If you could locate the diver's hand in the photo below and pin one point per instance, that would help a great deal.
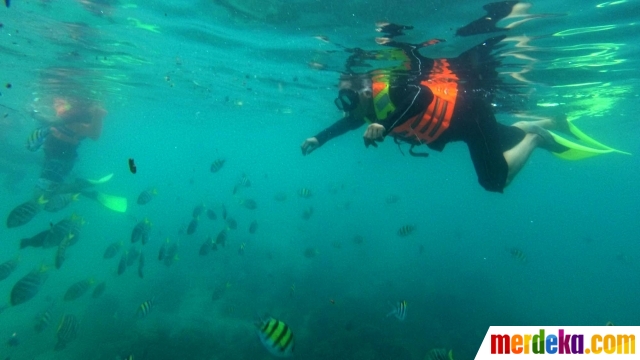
(309, 145)
(374, 133)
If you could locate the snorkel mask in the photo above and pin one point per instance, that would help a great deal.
(347, 100)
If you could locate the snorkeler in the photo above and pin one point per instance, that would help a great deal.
(60, 135)
(438, 101)
(75, 120)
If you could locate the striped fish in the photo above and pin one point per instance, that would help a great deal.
(78, 289)
(24, 212)
(406, 230)
(193, 226)
(304, 193)
(42, 321)
(29, 285)
(146, 196)
(276, 337)
(244, 182)
(37, 138)
(517, 254)
(122, 265)
(206, 246)
(8, 267)
(69, 226)
(112, 250)
(216, 165)
(141, 231)
(399, 310)
(144, 308)
(221, 239)
(58, 232)
(58, 202)
(99, 290)
(67, 331)
(61, 253)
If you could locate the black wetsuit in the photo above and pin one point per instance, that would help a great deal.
(472, 121)
(59, 158)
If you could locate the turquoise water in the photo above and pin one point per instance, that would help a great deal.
(185, 83)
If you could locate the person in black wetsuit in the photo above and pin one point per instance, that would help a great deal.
(75, 120)
(437, 101)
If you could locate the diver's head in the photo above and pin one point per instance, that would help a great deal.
(79, 117)
(78, 110)
(354, 89)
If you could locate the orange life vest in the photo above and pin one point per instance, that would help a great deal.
(427, 126)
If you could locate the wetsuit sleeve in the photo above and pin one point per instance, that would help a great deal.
(338, 128)
(411, 100)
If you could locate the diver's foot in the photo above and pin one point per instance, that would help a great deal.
(561, 124)
(546, 141)
(383, 40)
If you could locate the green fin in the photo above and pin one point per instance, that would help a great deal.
(590, 141)
(112, 202)
(577, 151)
(451, 354)
(102, 180)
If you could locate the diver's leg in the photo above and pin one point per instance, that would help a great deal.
(557, 122)
(541, 129)
(528, 126)
(518, 155)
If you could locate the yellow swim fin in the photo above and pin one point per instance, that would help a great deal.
(102, 180)
(112, 202)
(590, 141)
(578, 151)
